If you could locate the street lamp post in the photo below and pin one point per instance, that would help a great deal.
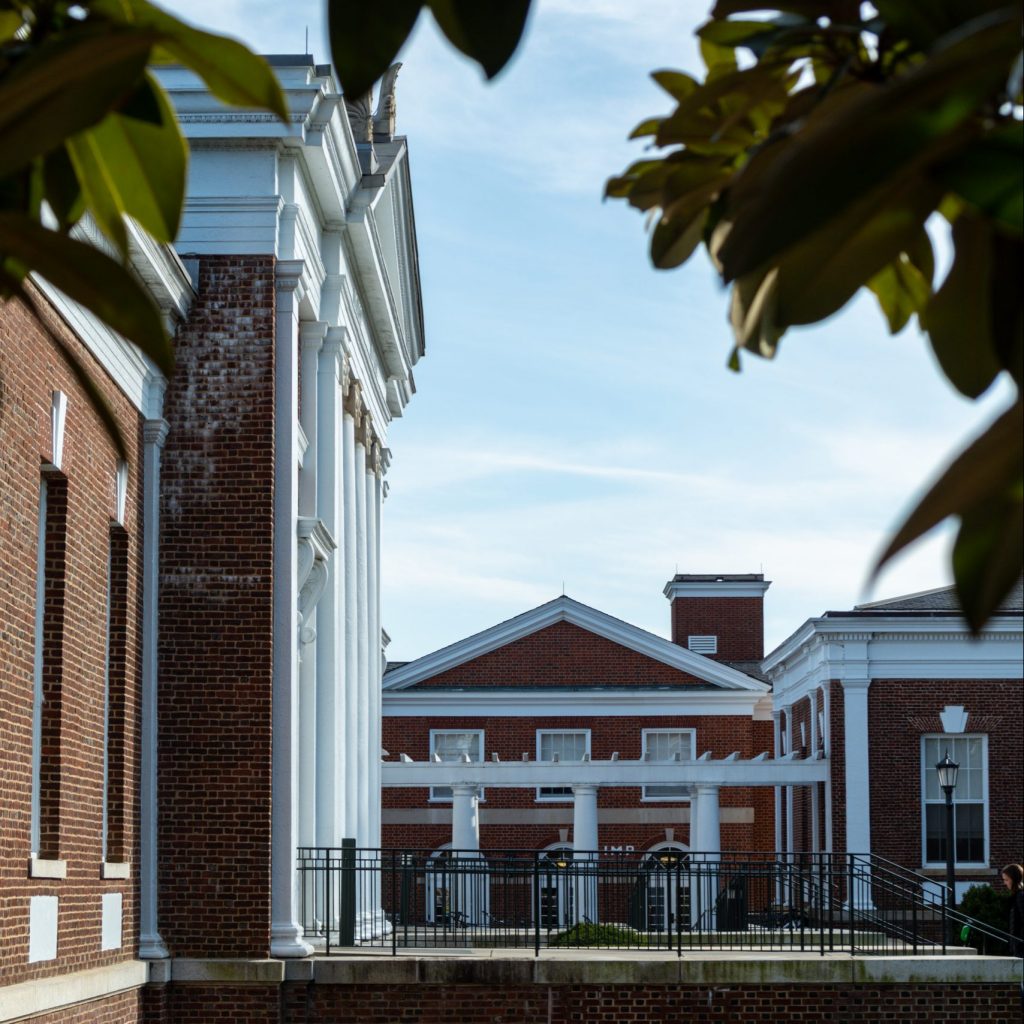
(947, 770)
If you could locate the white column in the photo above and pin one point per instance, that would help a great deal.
(465, 816)
(858, 797)
(330, 611)
(790, 833)
(151, 945)
(709, 830)
(777, 740)
(362, 645)
(285, 931)
(373, 645)
(307, 740)
(814, 790)
(350, 754)
(827, 747)
(584, 844)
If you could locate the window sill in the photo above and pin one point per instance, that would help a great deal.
(39, 868)
(939, 871)
(115, 870)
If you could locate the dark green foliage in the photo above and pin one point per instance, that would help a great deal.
(990, 906)
(601, 935)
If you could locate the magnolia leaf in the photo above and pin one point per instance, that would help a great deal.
(488, 33)
(673, 241)
(987, 175)
(677, 84)
(858, 139)
(901, 290)
(65, 87)
(91, 278)
(987, 556)
(10, 22)
(988, 469)
(366, 38)
(231, 71)
(719, 60)
(61, 188)
(838, 10)
(648, 127)
(959, 318)
(135, 167)
(98, 189)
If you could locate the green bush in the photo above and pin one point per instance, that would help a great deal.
(991, 907)
(585, 934)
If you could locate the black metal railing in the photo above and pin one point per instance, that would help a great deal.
(647, 900)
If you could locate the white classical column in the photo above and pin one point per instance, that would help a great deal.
(709, 830)
(151, 945)
(827, 747)
(373, 645)
(330, 612)
(858, 794)
(362, 641)
(585, 849)
(285, 931)
(693, 876)
(814, 789)
(465, 816)
(777, 741)
(350, 754)
(790, 832)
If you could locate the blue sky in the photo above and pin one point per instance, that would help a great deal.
(575, 425)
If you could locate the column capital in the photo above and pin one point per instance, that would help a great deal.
(333, 346)
(354, 405)
(312, 334)
(584, 789)
(155, 432)
(464, 789)
(288, 274)
(855, 684)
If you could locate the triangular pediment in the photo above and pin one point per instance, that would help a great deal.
(698, 668)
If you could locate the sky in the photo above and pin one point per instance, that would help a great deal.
(575, 429)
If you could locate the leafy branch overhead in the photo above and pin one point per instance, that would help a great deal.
(812, 161)
(85, 128)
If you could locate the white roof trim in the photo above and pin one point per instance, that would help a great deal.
(565, 609)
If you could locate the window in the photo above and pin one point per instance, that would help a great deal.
(450, 746)
(664, 745)
(555, 745)
(115, 768)
(970, 799)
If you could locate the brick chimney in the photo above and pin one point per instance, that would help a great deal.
(719, 615)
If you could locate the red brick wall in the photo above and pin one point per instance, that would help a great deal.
(216, 642)
(123, 1008)
(900, 711)
(561, 655)
(597, 1004)
(738, 622)
(31, 368)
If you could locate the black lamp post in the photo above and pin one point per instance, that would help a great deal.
(947, 771)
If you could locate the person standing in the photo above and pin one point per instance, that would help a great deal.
(1013, 879)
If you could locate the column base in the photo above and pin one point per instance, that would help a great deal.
(151, 947)
(286, 941)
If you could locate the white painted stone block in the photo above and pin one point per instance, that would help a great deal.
(42, 928)
(112, 909)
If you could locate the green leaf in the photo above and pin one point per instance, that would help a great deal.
(677, 84)
(855, 140)
(62, 190)
(904, 287)
(837, 10)
(10, 22)
(988, 175)
(673, 241)
(366, 38)
(987, 556)
(91, 278)
(959, 318)
(488, 33)
(719, 60)
(66, 87)
(134, 167)
(988, 469)
(231, 71)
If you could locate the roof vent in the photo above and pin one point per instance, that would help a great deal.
(703, 644)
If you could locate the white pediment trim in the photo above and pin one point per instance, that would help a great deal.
(565, 609)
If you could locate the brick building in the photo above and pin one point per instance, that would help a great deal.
(884, 690)
(190, 644)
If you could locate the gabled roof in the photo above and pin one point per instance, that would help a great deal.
(941, 599)
(565, 609)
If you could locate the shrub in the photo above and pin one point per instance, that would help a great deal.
(988, 906)
(586, 934)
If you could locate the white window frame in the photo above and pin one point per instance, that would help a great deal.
(441, 799)
(551, 798)
(985, 806)
(644, 733)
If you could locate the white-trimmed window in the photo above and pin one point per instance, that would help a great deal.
(970, 800)
(450, 745)
(561, 745)
(664, 745)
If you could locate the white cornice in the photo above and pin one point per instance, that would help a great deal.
(565, 609)
(637, 702)
(711, 588)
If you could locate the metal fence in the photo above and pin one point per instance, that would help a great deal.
(656, 900)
